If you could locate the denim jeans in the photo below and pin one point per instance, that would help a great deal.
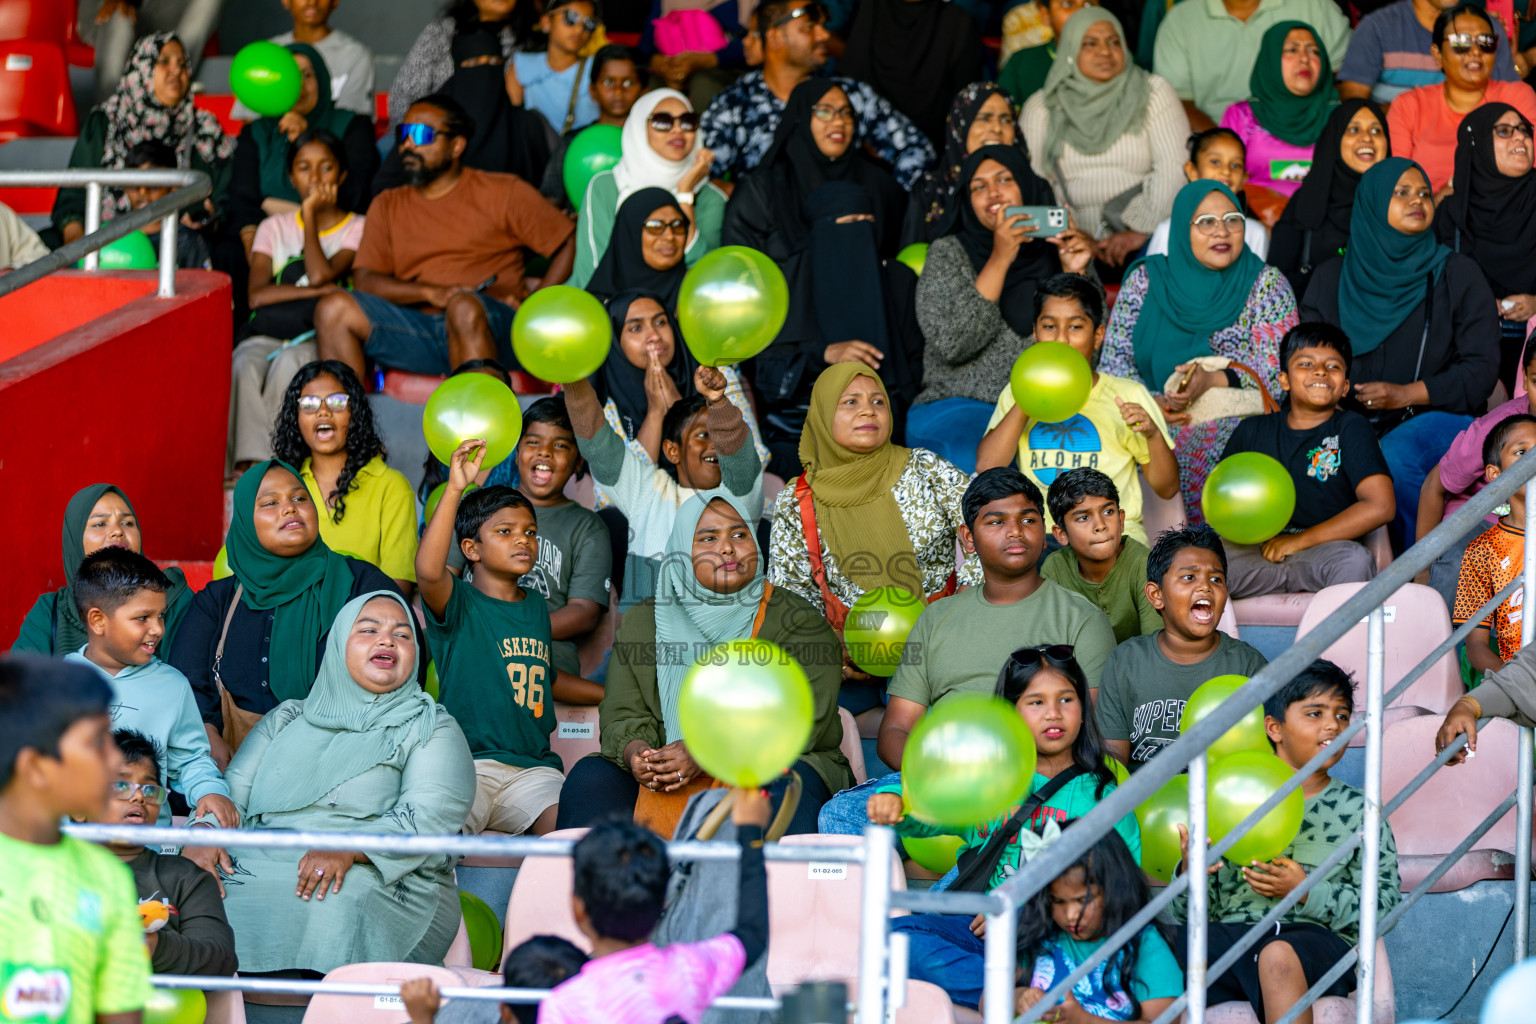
(944, 952)
(951, 427)
(1411, 451)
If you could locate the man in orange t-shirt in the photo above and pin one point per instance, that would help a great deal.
(439, 273)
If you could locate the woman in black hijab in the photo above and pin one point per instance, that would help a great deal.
(917, 54)
(646, 250)
(1491, 217)
(982, 114)
(827, 215)
(647, 369)
(1315, 225)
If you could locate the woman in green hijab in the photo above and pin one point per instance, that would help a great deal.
(1293, 94)
(259, 183)
(98, 516)
(1209, 296)
(368, 752)
(252, 640)
(1107, 135)
(710, 590)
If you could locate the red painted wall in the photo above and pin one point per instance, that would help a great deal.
(137, 396)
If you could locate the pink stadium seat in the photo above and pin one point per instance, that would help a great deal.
(772, 485)
(1446, 809)
(1228, 622)
(1159, 514)
(1287, 609)
(580, 490)
(541, 899)
(225, 1008)
(35, 96)
(576, 733)
(1329, 1009)
(327, 1009)
(1417, 623)
(459, 953)
(416, 388)
(925, 1004)
(596, 645)
(851, 746)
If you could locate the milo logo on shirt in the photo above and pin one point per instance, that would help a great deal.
(1289, 170)
(33, 995)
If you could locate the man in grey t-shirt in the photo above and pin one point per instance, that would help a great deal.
(349, 61)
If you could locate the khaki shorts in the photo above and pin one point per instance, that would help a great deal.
(510, 799)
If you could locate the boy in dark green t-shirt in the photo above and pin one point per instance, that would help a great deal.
(492, 647)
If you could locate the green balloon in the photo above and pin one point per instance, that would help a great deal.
(969, 759)
(916, 257)
(936, 853)
(435, 495)
(561, 334)
(175, 1006)
(877, 628)
(731, 305)
(472, 405)
(221, 567)
(593, 149)
(746, 712)
(1248, 498)
(134, 251)
(1051, 381)
(265, 77)
(1235, 788)
(432, 686)
(1247, 734)
(484, 931)
(1158, 818)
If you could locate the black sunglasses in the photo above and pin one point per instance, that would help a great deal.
(815, 13)
(1032, 657)
(574, 18)
(665, 122)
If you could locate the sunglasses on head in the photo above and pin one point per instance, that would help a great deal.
(1033, 657)
(664, 122)
(574, 17)
(656, 225)
(1462, 42)
(124, 790)
(418, 134)
(312, 403)
(815, 13)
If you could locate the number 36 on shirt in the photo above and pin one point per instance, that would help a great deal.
(528, 686)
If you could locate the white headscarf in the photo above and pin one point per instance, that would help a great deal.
(640, 166)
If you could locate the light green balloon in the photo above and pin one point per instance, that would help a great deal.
(877, 628)
(936, 853)
(1050, 381)
(731, 305)
(1247, 734)
(1159, 817)
(484, 930)
(472, 405)
(561, 334)
(1235, 787)
(914, 256)
(435, 495)
(746, 712)
(969, 759)
(221, 567)
(175, 1006)
(1248, 498)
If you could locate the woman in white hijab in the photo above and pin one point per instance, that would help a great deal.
(661, 149)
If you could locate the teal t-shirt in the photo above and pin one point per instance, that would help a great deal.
(1156, 974)
(494, 674)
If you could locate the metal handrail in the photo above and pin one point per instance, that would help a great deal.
(190, 187)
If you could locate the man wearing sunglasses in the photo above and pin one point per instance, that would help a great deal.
(1390, 52)
(440, 269)
(739, 124)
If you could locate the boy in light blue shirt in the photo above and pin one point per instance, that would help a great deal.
(555, 82)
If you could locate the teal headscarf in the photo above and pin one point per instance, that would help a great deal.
(307, 590)
(1186, 301)
(272, 145)
(344, 730)
(1090, 116)
(1298, 120)
(692, 615)
(1385, 271)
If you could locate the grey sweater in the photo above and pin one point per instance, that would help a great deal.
(969, 348)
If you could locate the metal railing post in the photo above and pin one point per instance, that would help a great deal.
(1526, 749)
(1196, 957)
(1370, 839)
(92, 221)
(875, 915)
(1000, 960)
(168, 228)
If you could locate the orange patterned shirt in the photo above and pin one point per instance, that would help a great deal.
(1490, 562)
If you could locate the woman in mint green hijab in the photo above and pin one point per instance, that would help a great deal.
(366, 752)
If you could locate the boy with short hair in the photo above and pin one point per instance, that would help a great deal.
(154, 155)
(1305, 716)
(543, 961)
(615, 84)
(1119, 429)
(575, 558)
(348, 60)
(1148, 679)
(550, 82)
(619, 890)
(179, 902)
(1497, 556)
(1343, 485)
(83, 960)
(1097, 560)
(120, 595)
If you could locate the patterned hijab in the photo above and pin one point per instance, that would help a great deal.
(939, 188)
(135, 116)
(1087, 115)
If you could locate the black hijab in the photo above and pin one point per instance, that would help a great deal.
(910, 51)
(624, 382)
(1036, 260)
(1324, 202)
(1491, 216)
(506, 139)
(623, 267)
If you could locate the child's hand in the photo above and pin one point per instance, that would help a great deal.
(1137, 418)
(292, 125)
(212, 859)
(1211, 869)
(752, 807)
(885, 809)
(464, 465)
(421, 999)
(1278, 548)
(979, 926)
(221, 807)
(1276, 878)
(1024, 998)
(1462, 718)
(321, 196)
(711, 383)
(1069, 1011)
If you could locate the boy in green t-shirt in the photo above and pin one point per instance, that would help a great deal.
(492, 647)
(1097, 560)
(71, 946)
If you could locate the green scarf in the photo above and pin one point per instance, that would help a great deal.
(1187, 301)
(1090, 116)
(69, 631)
(689, 613)
(272, 145)
(344, 730)
(1297, 120)
(307, 590)
(1385, 271)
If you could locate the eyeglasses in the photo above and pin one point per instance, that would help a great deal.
(1507, 131)
(124, 790)
(1029, 657)
(827, 112)
(418, 134)
(664, 122)
(656, 226)
(336, 403)
(1462, 42)
(815, 13)
(1206, 223)
(573, 18)
(994, 118)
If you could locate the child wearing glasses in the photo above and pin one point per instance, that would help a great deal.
(1219, 155)
(179, 903)
(325, 427)
(553, 82)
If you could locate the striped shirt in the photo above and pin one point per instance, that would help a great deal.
(648, 985)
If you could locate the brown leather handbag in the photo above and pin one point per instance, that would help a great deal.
(238, 722)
